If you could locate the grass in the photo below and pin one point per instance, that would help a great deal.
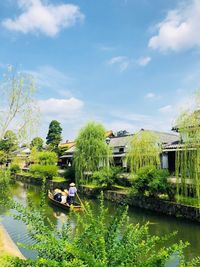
(188, 201)
(120, 187)
(58, 179)
(93, 186)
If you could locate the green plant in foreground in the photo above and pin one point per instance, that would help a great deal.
(98, 241)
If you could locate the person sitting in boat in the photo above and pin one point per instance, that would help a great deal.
(57, 195)
(72, 192)
(64, 197)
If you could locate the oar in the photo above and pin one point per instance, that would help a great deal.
(81, 202)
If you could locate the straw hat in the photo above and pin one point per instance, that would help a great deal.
(66, 191)
(57, 190)
(72, 184)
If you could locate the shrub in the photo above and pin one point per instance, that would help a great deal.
(44, 171)
(47, 158)
(153, 182)
(105, 177)
(98, 240)
(14, 168)
(70, 173)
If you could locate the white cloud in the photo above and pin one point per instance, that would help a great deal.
(61, 108)
(166, 109)
(49, 78)
(143, 61)
(179, 30)
(38, 16)
(150, 95)
(121, 61)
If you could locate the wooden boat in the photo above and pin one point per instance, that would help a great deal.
(76, 206)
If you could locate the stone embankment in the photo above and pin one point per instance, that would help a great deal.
(148, 203)
(38, 181)
(7, 246)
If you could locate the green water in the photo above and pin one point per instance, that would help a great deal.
(159, 224)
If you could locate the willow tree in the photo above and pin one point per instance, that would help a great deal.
(91, 150)
(188, 153)
(18, 109)
(143, 150)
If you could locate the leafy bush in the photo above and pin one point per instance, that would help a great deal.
(105, 176)
(47, 158)
(153, 182)
(70, 173)
(99, 240)
(14, 168)
(44, 171)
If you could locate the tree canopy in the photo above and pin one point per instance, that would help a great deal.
(9, 144)
(144, 150)
(188, 152)
(54, 135)
(18, 109)
(37, 142)
(91, 149)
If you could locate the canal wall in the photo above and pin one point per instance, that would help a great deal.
(148, 203)
(38, 181)
(7, 246)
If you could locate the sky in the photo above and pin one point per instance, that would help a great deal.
(127, 64)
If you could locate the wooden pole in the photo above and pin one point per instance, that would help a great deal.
(81, 202)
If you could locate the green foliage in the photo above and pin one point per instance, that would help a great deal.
(188, 154)
(2, 157)
(69, 173)
(14, 168)
(105, 176)
(47, 158)
(17, 105)
(143, 151)
(153, 182)
(9, 144)
(91, 150)
(96, 243)
(44, 171)
(37, 142)
(34, 156)
(54, 135)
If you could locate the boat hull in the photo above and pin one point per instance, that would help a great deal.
(75, 206)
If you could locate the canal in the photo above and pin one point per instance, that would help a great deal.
(158, 224)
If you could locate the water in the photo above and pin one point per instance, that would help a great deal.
(158, 224)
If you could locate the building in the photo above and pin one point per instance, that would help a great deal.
(120, 146)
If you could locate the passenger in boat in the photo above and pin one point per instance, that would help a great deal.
(64, 197)
(72, 192)
(57, 195)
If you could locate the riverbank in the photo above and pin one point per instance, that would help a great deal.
(7, 246)
(147, 203)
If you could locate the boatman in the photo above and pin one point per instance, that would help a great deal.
(71, 193)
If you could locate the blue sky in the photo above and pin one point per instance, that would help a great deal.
(125, 63)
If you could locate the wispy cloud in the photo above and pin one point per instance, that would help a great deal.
(106, 47)
(150, 95)
(179, 30)
(121, 61)
(144, 61)
(166, 109)
(48, 77)
(39, 16)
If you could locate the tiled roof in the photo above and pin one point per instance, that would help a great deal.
(164, 137)
(120, 141)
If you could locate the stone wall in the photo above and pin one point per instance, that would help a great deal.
(157, 205)
(38, 181)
